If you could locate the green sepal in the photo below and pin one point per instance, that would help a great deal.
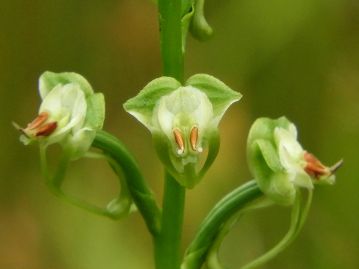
(95, 114)
(264, 163)
(213, 142)
(269, 154)
(269, 173)
(142, 105)
(48, 80)
(220, 95)
(80, 143)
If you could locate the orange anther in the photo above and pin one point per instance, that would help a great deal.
(314, 167)
(46, 129)
(38, 121)
(179, 140)
(194, 138)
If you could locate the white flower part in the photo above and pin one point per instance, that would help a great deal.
(184, 109)
(291, 156)
(66, 105)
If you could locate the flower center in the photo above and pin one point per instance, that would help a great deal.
(192, 140)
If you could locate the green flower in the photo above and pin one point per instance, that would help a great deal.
(70, 114)
(280, 164)
(183, 120)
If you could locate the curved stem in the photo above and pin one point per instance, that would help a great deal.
(140, 192)
(167, 244)
(299, 215)
(220, 214)
(212, 259)
(54, 184)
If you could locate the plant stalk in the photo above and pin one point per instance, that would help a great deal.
(171, 38)
(168, 242)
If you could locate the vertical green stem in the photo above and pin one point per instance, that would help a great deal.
(168, 243)
(171, 38)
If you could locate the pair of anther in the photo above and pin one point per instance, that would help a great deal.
(316, 169)
(39, 126)
(193, 139)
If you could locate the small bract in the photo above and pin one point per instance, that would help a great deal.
(70, 114)
(280, 164)
(183, 120)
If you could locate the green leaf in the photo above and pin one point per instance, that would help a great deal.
(48, 80)
(142, 105)
(220, 95)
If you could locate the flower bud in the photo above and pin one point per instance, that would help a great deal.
(280, 164)
(183, 121)
(70, 113)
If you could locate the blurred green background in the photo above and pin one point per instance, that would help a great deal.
(298, 58)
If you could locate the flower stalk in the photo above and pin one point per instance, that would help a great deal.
(168, 242)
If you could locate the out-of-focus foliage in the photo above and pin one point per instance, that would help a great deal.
(298, 58)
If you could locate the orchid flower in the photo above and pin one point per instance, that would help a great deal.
(70, 114)
(183, 120)
(280, 164)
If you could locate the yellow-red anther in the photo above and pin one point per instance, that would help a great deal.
(179, 140)
(46, 129)
(194, 138)
(38, 121)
